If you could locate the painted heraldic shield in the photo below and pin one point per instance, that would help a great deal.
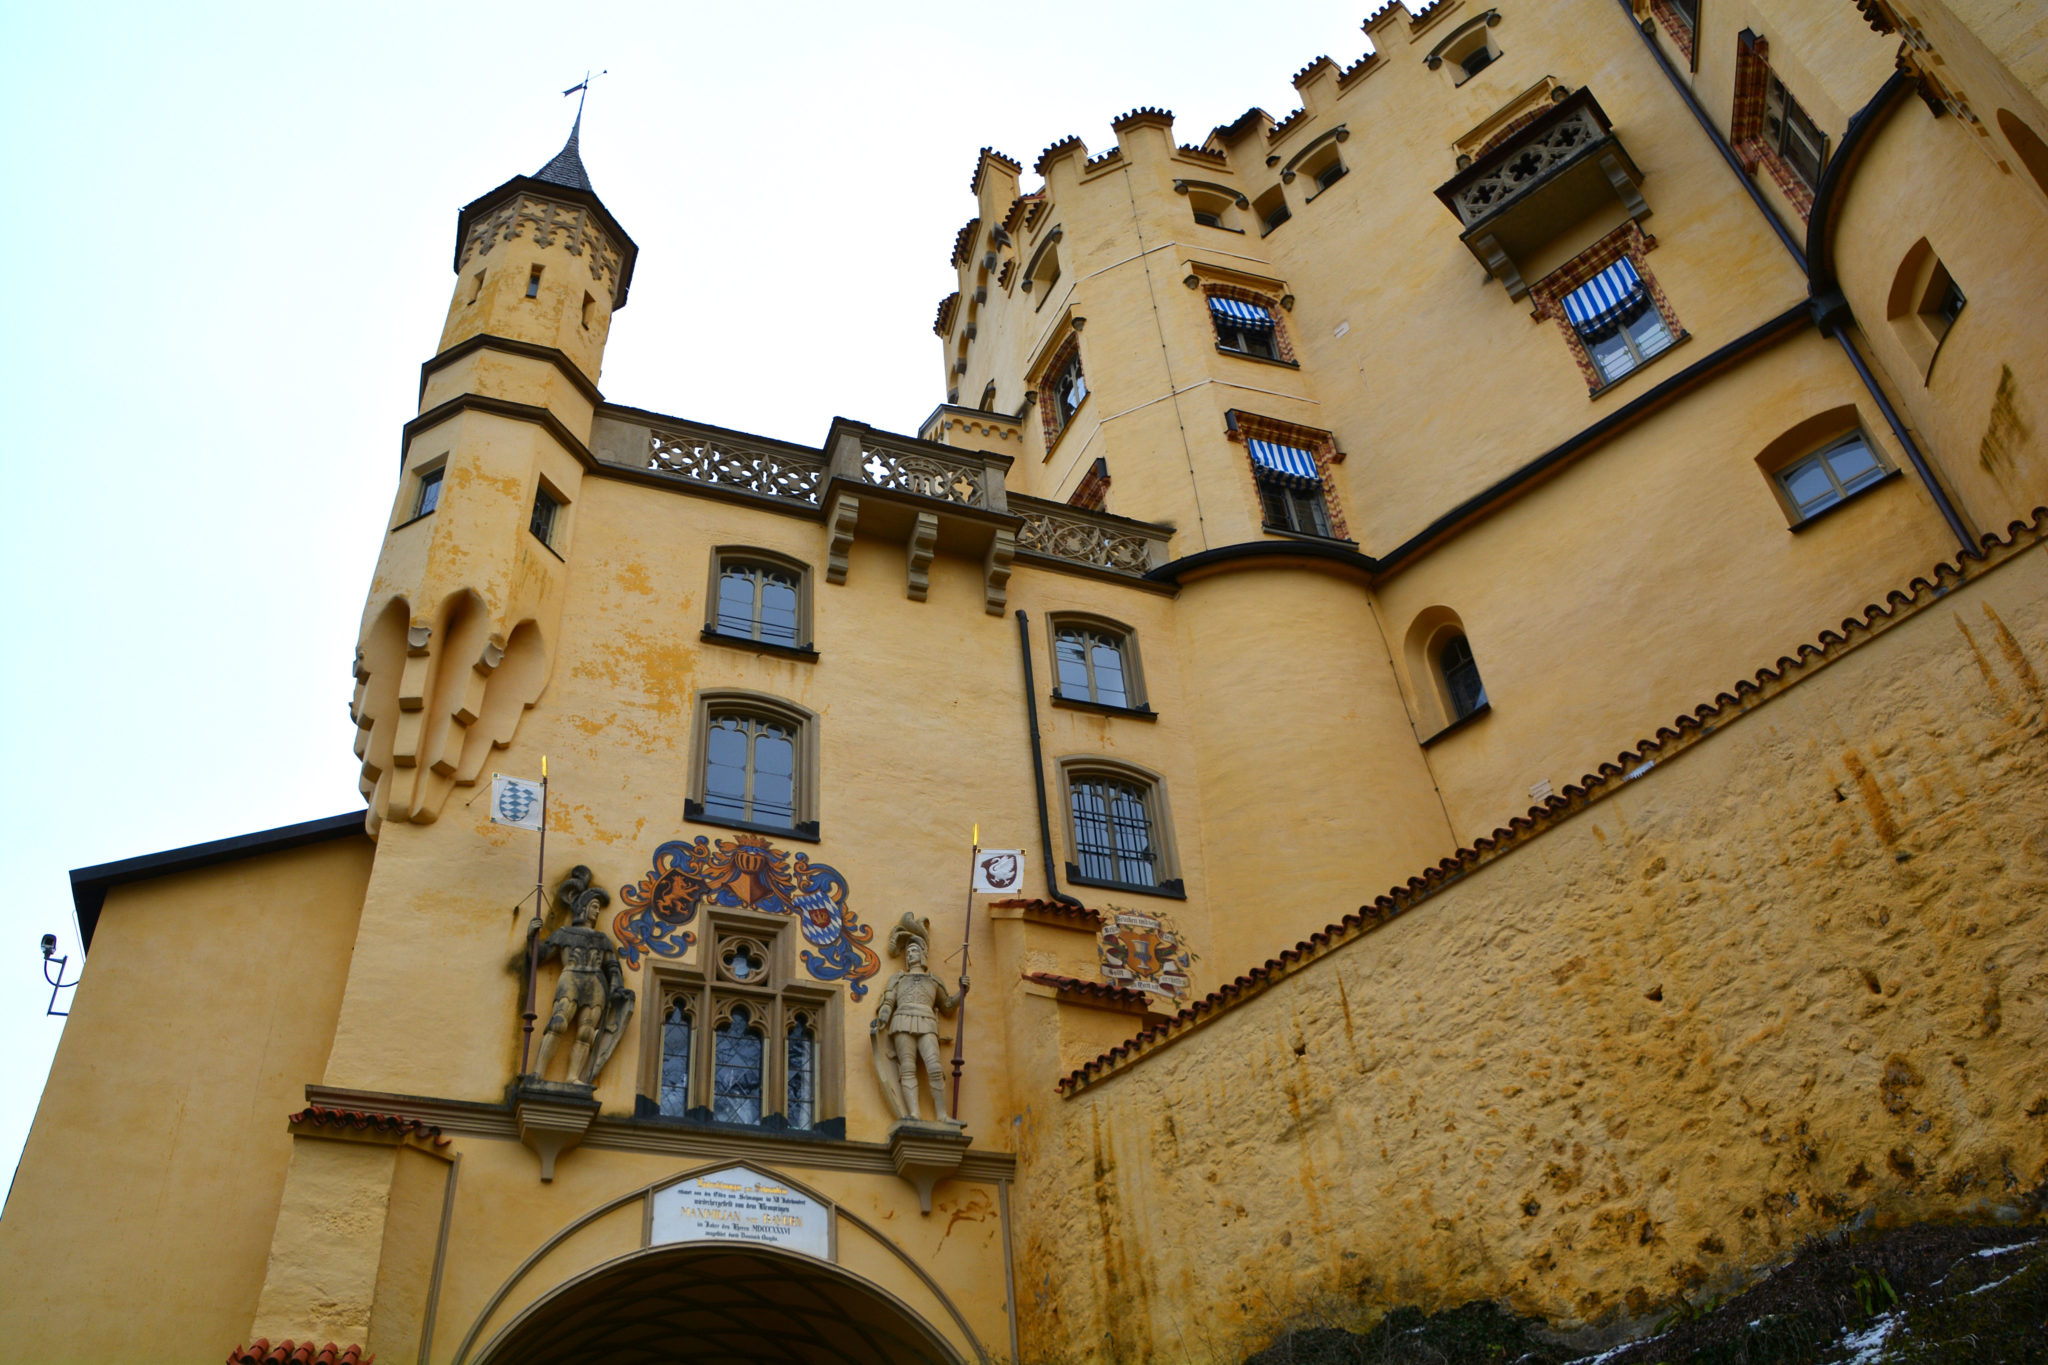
(515, 801)
(999, 870)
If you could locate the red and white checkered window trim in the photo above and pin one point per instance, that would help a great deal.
(1547, 294)
(1746, 123)
(1048, 404)
(1674, 24)
(1282, 343)
(1321, 444)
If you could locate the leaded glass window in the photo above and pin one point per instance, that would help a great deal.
(674, 1099)
(737, 1073)
(801, 1076)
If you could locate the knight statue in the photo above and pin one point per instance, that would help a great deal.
(592, 1003)
(905, 1029)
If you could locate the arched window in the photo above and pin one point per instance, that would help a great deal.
(988, 397)
(800, 1045)
(1460, 673)
(755, 766)
(674, 1094)
(737, 1071)
(1095, 662)
(759, 597)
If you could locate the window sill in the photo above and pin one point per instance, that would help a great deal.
(804, 653)
(550, 549)
(1261, 359)
(410, 521)
(1102, 708)
(1322, 190)
(1221, 228)
(1800, 525)
(1602, 390)
(1284, 532)
(804, 830)
(1484, 708)
(1172, 889)
(1061, 434)
(1269, 231)
(647, 1110)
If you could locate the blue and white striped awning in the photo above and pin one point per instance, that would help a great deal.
(1605, 297)
(1281, 459)
(1239, 314)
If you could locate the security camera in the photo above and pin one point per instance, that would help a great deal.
(49, 944)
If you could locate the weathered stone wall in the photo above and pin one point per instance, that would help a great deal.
(1791, 973)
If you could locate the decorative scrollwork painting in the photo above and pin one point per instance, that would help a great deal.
(747, 873)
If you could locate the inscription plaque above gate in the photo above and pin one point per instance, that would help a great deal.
(740, 1205)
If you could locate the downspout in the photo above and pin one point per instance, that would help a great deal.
(1830, 309)
(1052, 881)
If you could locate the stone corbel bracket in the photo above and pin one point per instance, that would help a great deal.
(553, 1118)
(924, 1153)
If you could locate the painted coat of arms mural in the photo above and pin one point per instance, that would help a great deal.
(1144, 953)
(747, 873)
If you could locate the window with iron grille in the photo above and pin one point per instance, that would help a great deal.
(546, 510)
(741, 1040)
(1116, 823)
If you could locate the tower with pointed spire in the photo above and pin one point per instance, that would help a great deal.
(456, 640)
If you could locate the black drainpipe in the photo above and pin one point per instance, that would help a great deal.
(1830, 309)
(1052, 880)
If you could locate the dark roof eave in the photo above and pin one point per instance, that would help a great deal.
(89, 885)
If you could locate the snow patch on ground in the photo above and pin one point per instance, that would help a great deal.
(1868, 1344)
(2008, 1247)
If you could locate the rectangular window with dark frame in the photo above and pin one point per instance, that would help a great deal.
(1792, 135)
(759, 601)
(429, 496)
(1829, 476)
(1113, 831)
(545, 508)
(1244, 328)
(1290, 488)
(1617, 321)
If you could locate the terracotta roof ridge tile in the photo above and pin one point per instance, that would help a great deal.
(1629, 764)
(369, 1120)
(289, 1352)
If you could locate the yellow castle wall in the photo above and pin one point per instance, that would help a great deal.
(210, 1001)
(1790, 974)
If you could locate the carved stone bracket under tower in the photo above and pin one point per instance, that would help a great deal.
(925, 1153)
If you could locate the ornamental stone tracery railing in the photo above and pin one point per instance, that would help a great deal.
(1095, 539)
(725, 463)
(1530, 161)
(927, 476)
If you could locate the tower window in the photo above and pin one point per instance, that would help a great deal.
(1244, 328)
(1476, 61)
(988, 397)
(429, 495)
(1829, 476)
(1271, 209)
(1791, 134)
(533, 284)
(1462, 686)
(546, 509)
(1293, 507)
(589, 304)
(476, 289)
(1617, 322)
(1095, 662)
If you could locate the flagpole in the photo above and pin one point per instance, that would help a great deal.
(540, 906)
(960, 1020)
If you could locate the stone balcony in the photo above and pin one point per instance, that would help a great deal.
(875, 484)
(1543, 180)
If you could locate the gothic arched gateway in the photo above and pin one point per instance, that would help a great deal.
(714, 1305)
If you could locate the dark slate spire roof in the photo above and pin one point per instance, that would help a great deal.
(567, 167)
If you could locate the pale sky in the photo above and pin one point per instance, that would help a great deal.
(231, 241)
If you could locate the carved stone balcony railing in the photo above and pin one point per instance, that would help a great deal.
(1053, 530)
(712, 457)
(1544, 179)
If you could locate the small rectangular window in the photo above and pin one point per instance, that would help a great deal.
(545, 506)
(589, 305)
(1291, 508)
(1617, 321)
(1245, 328)
(1094, 663)
(477, 288)
(1329, 175)
(1821, 480)
(429, 495)
(1208, 219)
(533, 284)
(1792, 134)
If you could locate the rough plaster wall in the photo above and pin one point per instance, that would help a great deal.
(1794, 973)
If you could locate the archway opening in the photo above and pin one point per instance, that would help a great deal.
(719, 1305)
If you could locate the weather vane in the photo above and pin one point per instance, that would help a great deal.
(582, 90)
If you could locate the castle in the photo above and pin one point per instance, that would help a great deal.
(1493, 626)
